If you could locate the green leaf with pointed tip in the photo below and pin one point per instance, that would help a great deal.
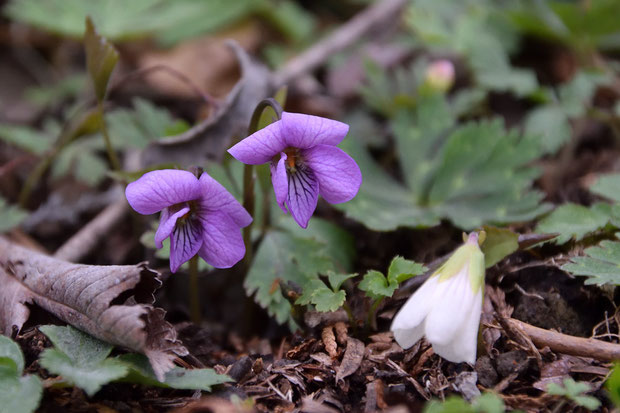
(607, 186)
(141, 372)
(401, 269)
(17, 394)
(10, 215)
(90, 377)
(574, 221)
(282, 256)
(101, 58)
(336, 280)
(601, 264)
(472, 174)
(80, 359)
(324, 299)
(376, 285)
(499, 243)
(26, 138)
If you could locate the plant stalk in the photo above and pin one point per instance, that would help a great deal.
(194, 297)
(116, 165)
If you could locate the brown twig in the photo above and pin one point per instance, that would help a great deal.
(565, 344)
(88, 237)
(339, 39)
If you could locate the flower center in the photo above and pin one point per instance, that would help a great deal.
(293, 158)
(182, 220)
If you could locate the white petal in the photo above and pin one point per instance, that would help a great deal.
(408, 337)
(408, 324)
(463, 346)
(454, 303)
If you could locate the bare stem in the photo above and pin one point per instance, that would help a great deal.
(194, 296)
(116, 165)
(249, 178)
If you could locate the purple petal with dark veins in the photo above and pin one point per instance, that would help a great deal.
(167, 221)
(338, 175)
(305, 131)
(157, 190)
(260, 146)
(215, 197)
(303, 193)
(223, 244)
(185, 241)
(279, 180)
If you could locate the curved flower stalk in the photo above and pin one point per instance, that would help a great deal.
(446, 308)
(305, 162)
(199, 215)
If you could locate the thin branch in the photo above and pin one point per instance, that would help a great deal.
(85, 240)
(571, 345)
(339, 39)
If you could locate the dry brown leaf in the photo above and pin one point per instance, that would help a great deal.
(204, 59)
(352, 359)
(112, 303)
(208, 140)
(329, 341)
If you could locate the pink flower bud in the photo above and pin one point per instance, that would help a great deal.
(440, 75)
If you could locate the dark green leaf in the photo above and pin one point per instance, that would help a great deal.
(10, 350)
(140, 372)
(607, 186)
(574, 221)
(80, 359)
(376, 285)
(499, 243)
(401, 269)
(336, 280)
(101, 58)
(17, 394)
(551, 125)
(601, 264)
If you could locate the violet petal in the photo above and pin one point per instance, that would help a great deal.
(338, 174)
(215, 197)
(185, 241)
(223, 243)
(260, 146)
(157, 190)
(305, 131)
(279, 180)
(167, 221)
(303, 194)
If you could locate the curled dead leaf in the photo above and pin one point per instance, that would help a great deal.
(352, 359)
(209, 139)
(112, 303)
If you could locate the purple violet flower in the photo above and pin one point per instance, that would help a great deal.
(199, 215)
(309, 162)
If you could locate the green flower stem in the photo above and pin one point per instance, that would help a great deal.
(116, 165)
(371, 313)
(248, 203)
(249, 177)
(194, 296)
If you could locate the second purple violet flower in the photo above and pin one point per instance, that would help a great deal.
(305, 162)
